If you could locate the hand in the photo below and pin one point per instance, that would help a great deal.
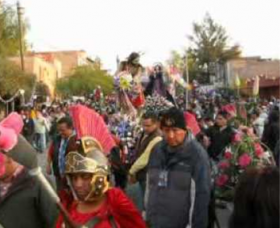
(131, 179)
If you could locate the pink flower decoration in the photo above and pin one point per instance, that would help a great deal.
(258, 150)
(2, 167)
(224, 165)
(237, 138)
(228, 155)
(244, 160)
(222, 180)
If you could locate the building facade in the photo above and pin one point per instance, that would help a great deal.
(46, 72)
(50, 66)
(247, 69)
(69, 59)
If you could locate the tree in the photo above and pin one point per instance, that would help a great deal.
(13, 79)
(210, 45)
(83, 81)
(176, 60)
(9, 31)
(179, 61)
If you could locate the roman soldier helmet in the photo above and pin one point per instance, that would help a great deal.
(89, 158)
(89, 153)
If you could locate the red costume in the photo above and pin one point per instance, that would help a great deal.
(116, 210)
(117, 205)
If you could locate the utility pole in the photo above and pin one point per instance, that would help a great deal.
(19, 12)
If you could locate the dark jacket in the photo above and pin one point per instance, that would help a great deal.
(27, 205)
(185, 199)
(219, 140)
(271, 134)
(71, 145)
(28, 129)
(141, 146)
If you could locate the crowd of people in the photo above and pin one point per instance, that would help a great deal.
(170, 152)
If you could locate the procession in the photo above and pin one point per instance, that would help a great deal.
(188, 142)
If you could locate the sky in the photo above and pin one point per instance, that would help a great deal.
(111, 28)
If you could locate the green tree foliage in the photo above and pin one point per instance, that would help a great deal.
(179, 61)
(210, 45)
(176, 60)
(12, 79)
(9, 31)
(83, 81)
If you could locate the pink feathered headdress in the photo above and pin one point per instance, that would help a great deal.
(10, 129)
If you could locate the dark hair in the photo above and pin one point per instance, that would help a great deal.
(67, 121)
(273, 116)
(256, 202)
(150, 115)
(223, 113)
(24, 108)
(173, 117)
(256, 112)
(207, 119)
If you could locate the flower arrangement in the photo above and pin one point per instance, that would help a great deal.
(245, 151)
(157, 104)
(123, 81)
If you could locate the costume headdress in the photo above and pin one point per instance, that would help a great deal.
(94, 140)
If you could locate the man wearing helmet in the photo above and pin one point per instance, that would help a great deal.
(92, 203)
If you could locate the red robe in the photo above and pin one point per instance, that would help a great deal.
(117, 205)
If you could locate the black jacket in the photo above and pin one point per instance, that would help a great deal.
(219, 140)
(27, 205)
(28, 127)
(56, 145)
(185, 199)
(271, 134)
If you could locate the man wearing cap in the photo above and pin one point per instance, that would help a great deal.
(23, 201)
(178, 178)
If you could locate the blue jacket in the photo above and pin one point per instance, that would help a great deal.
(184, 200)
